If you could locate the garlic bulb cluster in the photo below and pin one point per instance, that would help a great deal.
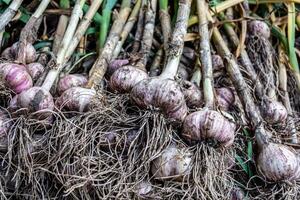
(274, 112)
(124, 78)
(217, 62)
(16, 77)
(192, 94)
(71, 80)
(29, 53)
(259, 29)
(208, 124)
(76, 99)
(35, 70)
(165, 94)
(277, 162)
(36, 99)
(174, 162)
(225, 98)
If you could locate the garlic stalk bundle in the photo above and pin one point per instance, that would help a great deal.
(208, 124)
(16, 77)
(71, 80)
(35, 70)
(124, 78)
(174, 162)
(278, 162)
(162, 91)
(225, 98)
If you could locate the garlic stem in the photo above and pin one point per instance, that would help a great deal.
(127, 28)
(177, 40)
(205, 55)
(53, 73)
(100, 66)
(82, 27)
(165, 21)
(196, 78)
(9, 13)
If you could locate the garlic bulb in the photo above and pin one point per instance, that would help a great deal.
(143, 189)
(165, 94)
(16, 77)
(208, 124)
(124, 78)
(189, 53)
(116, 64)
(217, 62)
(29, 52)
(76, 99)
(71, 80)
(174, 162)
(36, 99)
(274, 111)
(192, 94)
(35, 70)
(182, 72)
(259, 29)
(225, 98)
(278, 162)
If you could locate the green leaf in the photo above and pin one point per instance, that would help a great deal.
(6, 1)
(42, 44)
(110, 4)
(242, 164)
(91, 30)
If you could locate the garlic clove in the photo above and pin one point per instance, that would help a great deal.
(116, 64)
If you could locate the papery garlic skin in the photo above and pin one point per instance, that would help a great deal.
(76, 99)
(174, 162)
(16, 77)
(277, 162)
(208, 124)
(71, 80)
(124, 78)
